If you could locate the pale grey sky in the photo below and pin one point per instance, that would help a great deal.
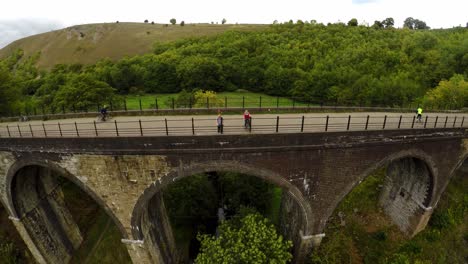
(20, 18)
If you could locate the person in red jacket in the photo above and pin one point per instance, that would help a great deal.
(247, 119)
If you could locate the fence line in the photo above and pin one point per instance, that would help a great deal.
(207, 126)
(221, 103)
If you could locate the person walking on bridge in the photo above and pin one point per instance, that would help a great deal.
(419, 117)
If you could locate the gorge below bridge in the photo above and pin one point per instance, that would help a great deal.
(126, 175)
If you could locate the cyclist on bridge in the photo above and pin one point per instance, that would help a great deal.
(419, 111)
(104, 113)
(247, 118)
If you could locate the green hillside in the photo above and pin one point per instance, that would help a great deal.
(86, 44)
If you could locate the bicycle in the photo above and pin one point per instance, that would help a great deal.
(103, 118)
(23, 118)
(247, 124)
(419, 118)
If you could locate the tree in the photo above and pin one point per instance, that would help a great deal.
(353, 22)
(146, 20)
(8, 95)
(252, 239)
(409, 23)
(173, 21)
(377, 25)
(83, 91)
(412, 23)
(223, 21)
(418, 24)
(182, 23)
(203, 98)
(449, 94)
(388, 22)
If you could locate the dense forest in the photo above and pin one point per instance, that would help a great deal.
(347, 64)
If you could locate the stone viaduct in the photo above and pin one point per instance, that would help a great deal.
(126, 175)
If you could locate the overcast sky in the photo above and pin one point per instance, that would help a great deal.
(21, 18)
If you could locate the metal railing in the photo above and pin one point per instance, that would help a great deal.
(170, 103)
(232, 125)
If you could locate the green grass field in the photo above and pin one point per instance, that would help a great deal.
(229, 99)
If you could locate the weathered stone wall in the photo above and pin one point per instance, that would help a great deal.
(406, 193)
(40, 205)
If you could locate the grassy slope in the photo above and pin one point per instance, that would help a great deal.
(108, 40)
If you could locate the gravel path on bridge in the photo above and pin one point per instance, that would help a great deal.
(233, 124)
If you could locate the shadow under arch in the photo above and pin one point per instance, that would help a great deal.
(409, 185)
(140, 211)
(36, 177)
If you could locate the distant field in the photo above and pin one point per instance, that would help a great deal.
(89, 43)
(229, 99)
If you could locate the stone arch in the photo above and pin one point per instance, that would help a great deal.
(410, 182)
(38, 178)
(140, 211)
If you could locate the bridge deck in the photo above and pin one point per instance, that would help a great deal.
(206, 125)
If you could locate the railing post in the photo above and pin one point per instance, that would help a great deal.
(60, 129)
(260, 103)
(30, 129)
(399, 122)
(446, 119)
(302, 124)
(77, 133)
(425, 122)
(367, 122)
(454, 121)
(19, 131)
(193, 127)
(141, 108)
(250, 127)
(384, 122)
(8, 129)
(116, 128)
(95, 128)
(167, 130)
(125, 104)
(156, 103)
(243, 102)
(45, 132)
(277, 123)
(326, 123)
(349, 122)
(63, 109)
(435, 123)
(412, 124)
(141, 127)
(277, 102)
(294, 103)
(463, 120)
